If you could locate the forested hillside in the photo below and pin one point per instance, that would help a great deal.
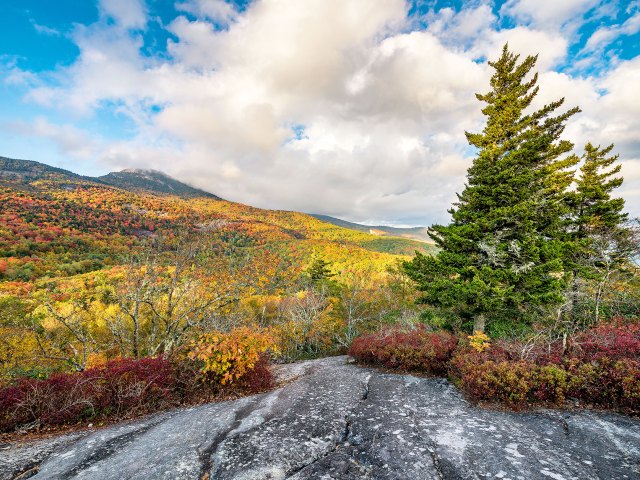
(75, 250)
(416, 233)
(55, 223)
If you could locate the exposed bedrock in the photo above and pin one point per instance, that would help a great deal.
(335, 420)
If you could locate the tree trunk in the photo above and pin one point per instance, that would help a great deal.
(479, 323)
(135, 348)
(573, 298)
(598, 299)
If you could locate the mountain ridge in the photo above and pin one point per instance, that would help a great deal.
(158, 182)
(420, 234)
(130, 179)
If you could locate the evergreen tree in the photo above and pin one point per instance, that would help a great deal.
(595, 210)
(319, 270)
(600, 241)
(502, 252)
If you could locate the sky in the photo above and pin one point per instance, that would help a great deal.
(350, 108)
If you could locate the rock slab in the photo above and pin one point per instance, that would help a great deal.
(335, 420)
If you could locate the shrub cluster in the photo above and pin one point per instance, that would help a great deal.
(610, 341)
(602, 382)
(417, 349)
(600, 368)
(227, 357)
(119, 389)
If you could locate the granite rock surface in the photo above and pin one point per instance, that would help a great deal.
(334, 420)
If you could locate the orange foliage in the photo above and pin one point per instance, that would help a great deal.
(229, 356)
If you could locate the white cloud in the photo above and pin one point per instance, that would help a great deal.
(68, 139)
(383, 106)
(548, 14)
(460, 27)
(220, 11)
(605, 35)
(126, 13)
(550, 48)
(44, 30)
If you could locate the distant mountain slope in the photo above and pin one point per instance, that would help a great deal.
(133, 180)
(152, 181)
(28, 170)
(414, 233)
(56, 223)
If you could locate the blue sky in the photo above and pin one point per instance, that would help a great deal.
(354, 108)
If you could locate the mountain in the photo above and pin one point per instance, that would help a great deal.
(55, 223)
(133, 180)
(152, 181)
(420, 234)
(12, 169)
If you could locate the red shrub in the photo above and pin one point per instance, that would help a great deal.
(610, 341)
(416, 349)
(259, 378)
(118, 389)
(601, 367)
(549, 384)
(491, 375)
(487, 376)
(607, 383)
(132, 386)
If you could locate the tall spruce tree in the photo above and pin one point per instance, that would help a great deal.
(502, 251)
(600, 241)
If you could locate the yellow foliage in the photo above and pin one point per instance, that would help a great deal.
(228, 356)
(479, 341)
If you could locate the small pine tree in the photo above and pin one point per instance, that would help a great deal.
(599, 239)
(595, 210)
(503, 249)
(319, 271)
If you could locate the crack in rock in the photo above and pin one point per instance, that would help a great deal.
(346, 433)
(559, 418)
(208, 467)
(432, 447)
(28, 472)
(366, 385)
(108, 448)
(436, 461)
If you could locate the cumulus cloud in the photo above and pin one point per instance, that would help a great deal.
(220, 11)
(343, 107)
(126, 13)
(548, 14)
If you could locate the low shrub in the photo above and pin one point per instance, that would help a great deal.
(601, 367)
(549, 384)
(611, 341)
(258, 378)
(227, 357)
(613, 384)
(491, 375)
(598, 381)
(418, 349)
(119, 389)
